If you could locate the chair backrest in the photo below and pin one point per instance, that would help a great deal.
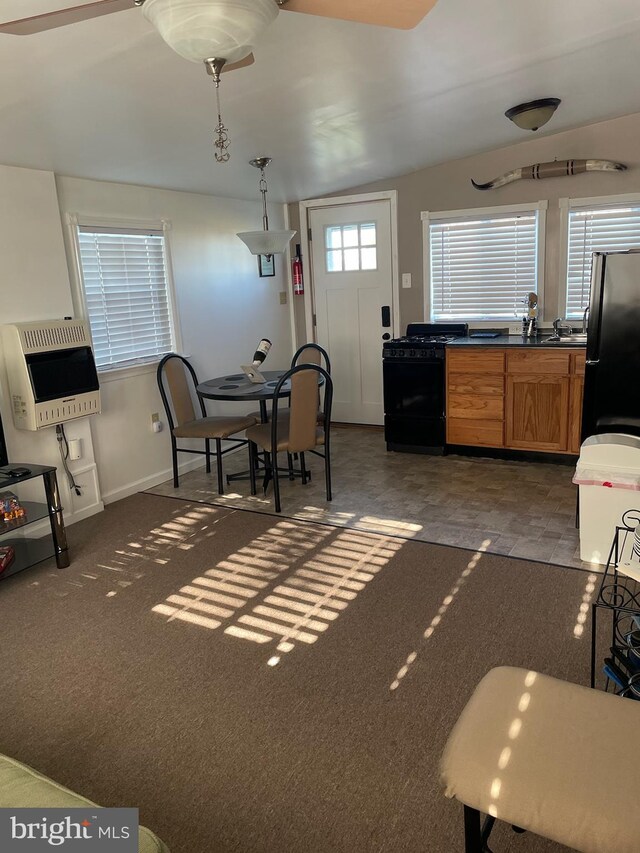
(177, 376)
(312, 354)
(303, 417)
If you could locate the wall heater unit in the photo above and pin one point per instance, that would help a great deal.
(52, 373)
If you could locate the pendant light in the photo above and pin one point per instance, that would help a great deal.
(265, 242)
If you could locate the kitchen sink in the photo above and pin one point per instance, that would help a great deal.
(566, 341)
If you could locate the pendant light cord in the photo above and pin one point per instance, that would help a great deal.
(263, 192)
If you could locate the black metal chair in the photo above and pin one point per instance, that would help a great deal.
(306, 354)
(299, 432)
(174, 372)
(312, 353)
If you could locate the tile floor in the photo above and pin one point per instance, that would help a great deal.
(523, 509)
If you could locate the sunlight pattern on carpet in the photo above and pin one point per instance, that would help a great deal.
(446, 603)
(258, 595)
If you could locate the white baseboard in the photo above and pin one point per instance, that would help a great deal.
(159, 477)
(87, 511)
(88, 502)
(150, 481)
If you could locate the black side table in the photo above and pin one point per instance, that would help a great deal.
(619, 595)
(31, 551)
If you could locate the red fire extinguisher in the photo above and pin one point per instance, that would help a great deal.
(296, 272)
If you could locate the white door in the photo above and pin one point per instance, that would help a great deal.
(353, 292)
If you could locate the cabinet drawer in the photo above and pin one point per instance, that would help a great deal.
(475, 361)
(475, 383)
(578, 360)
(535, 361)
(475, 407)
(475, 433)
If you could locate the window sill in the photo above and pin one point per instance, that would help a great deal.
(128, 372)
(116, 373)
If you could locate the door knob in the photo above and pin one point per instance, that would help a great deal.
(386, 336)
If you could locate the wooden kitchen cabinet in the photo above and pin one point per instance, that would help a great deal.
(576, 393)
(475, 397)
(516, 398)
(537, 412)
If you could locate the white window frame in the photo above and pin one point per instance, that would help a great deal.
(427, 216)
(565, 205)
(74, 221)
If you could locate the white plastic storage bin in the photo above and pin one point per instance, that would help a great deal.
(608, 474)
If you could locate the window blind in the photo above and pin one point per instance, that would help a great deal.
(611, 228)
(125, 284)
(483, 268)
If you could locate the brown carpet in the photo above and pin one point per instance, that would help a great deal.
(148, 674)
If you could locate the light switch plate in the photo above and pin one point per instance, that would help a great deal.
(283, 297)
(515, 330)
(406, 279)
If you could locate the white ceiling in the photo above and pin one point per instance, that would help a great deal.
(335, 104)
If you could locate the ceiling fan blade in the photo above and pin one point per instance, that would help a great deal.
(63, 17)
(399, 14)
(248, 60)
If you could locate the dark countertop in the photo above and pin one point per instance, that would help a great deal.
(515, 341)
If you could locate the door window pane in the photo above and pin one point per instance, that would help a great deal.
(368, 258)
(334, 238)
(334, 261)
(351, 259)
(349, 248)
(368, 234)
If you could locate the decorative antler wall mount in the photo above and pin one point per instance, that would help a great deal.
(554, 169)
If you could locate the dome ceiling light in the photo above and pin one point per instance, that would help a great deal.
(533, 114)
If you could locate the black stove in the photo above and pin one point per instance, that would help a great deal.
(414, 387)
(419, 340)
(422, 338)
(415, 346)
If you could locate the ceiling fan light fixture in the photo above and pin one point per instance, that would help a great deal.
(265, 242)
(533, 114)
(202, 29)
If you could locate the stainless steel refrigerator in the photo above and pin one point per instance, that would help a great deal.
(612, 374)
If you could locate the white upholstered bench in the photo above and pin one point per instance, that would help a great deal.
(23, 787)
(560, 760)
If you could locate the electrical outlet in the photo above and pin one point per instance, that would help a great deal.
(406, 279)
(283, 297)
(75, 449)
(515, 329)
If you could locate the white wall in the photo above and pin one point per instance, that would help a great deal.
(224, 308)
(35, 286)
(448, 187)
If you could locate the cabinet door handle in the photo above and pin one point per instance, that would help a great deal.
(592, 361)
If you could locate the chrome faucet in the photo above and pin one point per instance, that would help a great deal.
(558, 326)
(584, 320)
